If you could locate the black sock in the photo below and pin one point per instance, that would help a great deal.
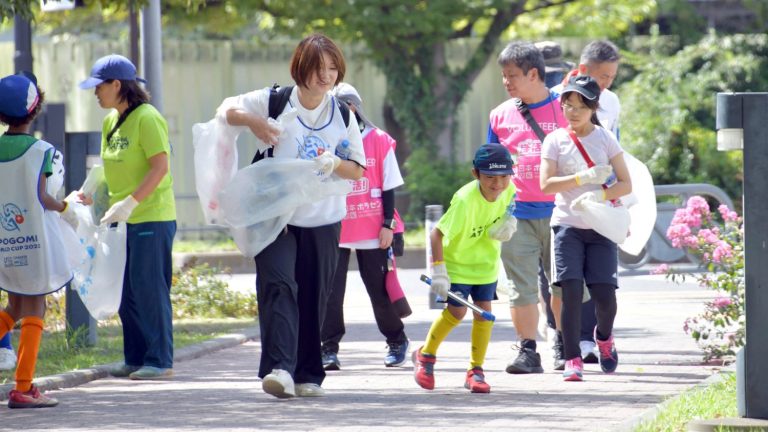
(528, 343)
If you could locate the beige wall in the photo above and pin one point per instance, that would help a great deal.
(198, 75)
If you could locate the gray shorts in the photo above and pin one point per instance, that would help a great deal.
(521, 255)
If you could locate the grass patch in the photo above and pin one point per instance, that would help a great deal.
(415, 237)
(192, 246)
(700, 403)
(56, 356)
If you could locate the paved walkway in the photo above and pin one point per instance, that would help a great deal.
(220, 391)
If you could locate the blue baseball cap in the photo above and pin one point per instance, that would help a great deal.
(18, 95)
(493, 160)
(111, 67)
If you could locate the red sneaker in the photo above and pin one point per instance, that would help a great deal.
(475, 381)
(30, 399)
(424, 369)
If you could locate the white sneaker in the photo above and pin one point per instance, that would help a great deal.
(7, 359)
(588, 351)
(309, 390)
(279, 384)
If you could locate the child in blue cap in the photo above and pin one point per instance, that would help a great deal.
(466, 245)
(30, 240)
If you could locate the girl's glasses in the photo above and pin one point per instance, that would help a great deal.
(574, 109)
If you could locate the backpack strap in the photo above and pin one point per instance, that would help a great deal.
(344, 110)
(526, 113)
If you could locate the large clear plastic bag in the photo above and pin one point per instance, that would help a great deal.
(273, 187)
(253, 239)
(609, 221)
(262, 198)
(95, 186)
(215, 163)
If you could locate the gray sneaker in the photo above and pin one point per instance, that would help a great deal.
(123, 370)
(151, 373)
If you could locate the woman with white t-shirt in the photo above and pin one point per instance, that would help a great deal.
(576, 162)
(295, 272)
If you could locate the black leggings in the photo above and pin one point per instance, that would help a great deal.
(604, 296)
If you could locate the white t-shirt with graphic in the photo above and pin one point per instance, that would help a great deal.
(600, 145)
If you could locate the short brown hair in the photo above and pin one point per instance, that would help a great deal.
(18, 121)
(308, 58)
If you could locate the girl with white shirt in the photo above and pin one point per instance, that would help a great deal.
(581, 254)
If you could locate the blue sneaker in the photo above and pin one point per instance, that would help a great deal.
(609, 358)
(396, 354)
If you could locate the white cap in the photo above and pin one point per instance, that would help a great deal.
(345, 92)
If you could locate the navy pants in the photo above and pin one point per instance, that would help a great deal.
(373, 270)
(145, 309)
(293, 280)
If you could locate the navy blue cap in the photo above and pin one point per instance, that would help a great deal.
(493, 160)
(584, 85)
(111, 67)
(18, 95)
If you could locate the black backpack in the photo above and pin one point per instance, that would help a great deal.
(278, 99)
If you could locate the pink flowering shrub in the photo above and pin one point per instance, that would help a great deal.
(716, 239)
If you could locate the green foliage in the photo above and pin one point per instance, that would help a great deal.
(198, 291)
(714, 401)
(432, 181)
(668, 109)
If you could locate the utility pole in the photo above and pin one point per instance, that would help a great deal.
(152, 52)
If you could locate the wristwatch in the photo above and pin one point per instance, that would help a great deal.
(389, 223)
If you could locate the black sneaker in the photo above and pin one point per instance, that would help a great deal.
(331, 361)
(557, 354)
(527, 361)
(396, 354)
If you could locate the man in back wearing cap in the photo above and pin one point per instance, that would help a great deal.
(370, 227)
(520, 124)
(465, 252)
(600, 60)
(554, 66)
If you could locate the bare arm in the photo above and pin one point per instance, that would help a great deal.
(349, 170)
(49, 202)
(623, 184)
(258, 125)
(551, 184)
(436, 242)
(158, 168)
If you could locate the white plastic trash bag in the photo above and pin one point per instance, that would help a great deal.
(273, 187)
(609, 221)
(641, 204)
(98, 277)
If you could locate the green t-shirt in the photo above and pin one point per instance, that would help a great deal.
(126, 162)
(14, 145)
(471, 256)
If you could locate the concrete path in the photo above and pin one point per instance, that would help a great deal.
(220, 391)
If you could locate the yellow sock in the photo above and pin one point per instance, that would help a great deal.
(29, 344)
(442, 326)
(6, 323)
(481, 336)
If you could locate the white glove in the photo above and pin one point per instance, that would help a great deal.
(68, 214)
(441, 283)
(327, 163)
(503, 228)
(120, 211)
(598, 174)
(594, 196)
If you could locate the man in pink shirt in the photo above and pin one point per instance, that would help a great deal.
(523, 72)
